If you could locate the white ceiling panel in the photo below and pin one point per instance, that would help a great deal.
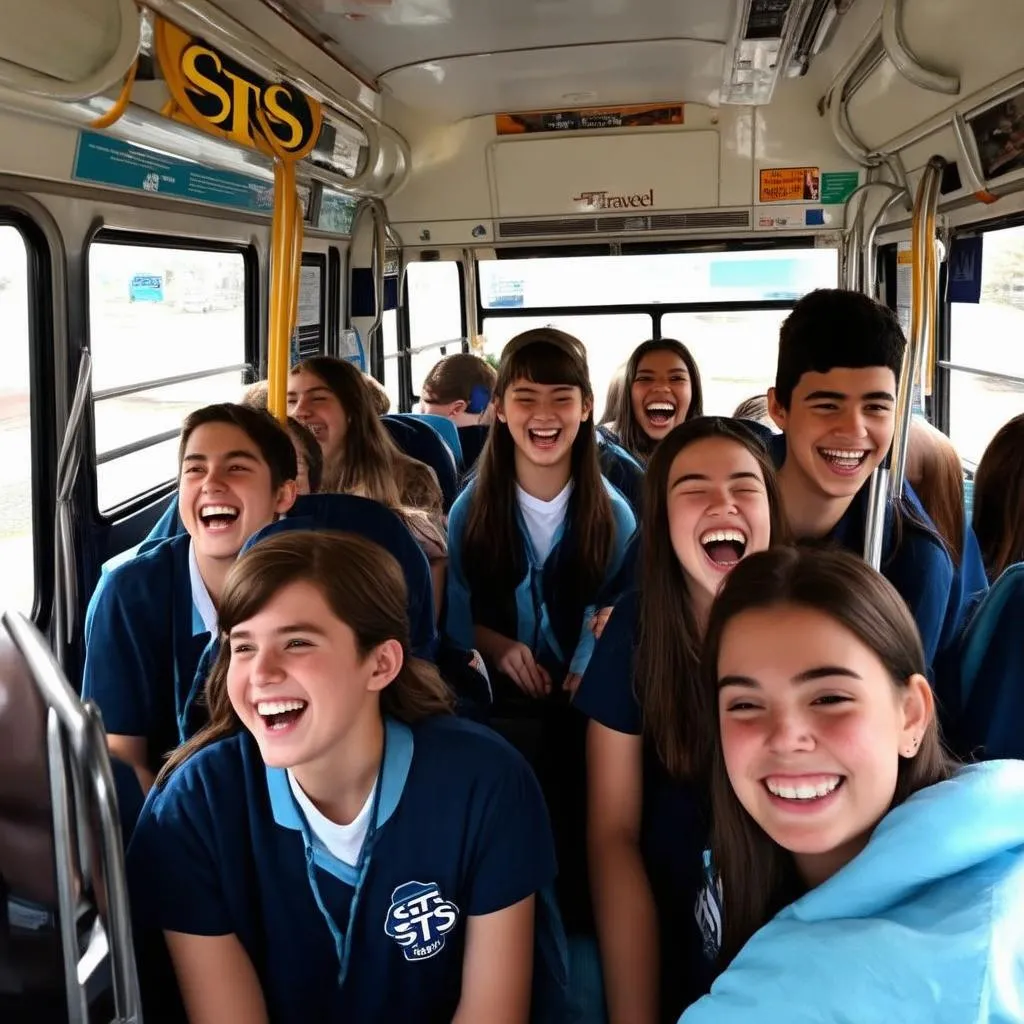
(378, 36)
(618, 73)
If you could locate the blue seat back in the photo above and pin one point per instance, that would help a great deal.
(349, 513)
(472, 440)
(622, 471)
(420, 441)
(445, 427)
(992, 673)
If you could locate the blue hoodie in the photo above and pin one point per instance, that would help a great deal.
(925, 925)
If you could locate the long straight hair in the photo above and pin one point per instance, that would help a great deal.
(370, 464)
(364, 587)
(494, 556)
(667, 660)
(758, 877)
(999, 499)
(937, 475)
(633, 436)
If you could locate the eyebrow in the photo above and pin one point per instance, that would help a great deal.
(309, 391)
(295, 627)
(534, 387)
(703, 477)
(839, 396)
(807, 676)
(238, 453)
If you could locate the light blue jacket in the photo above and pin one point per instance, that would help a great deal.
(925, 926)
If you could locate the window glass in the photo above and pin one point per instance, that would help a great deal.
(434, 294)
(389, 328)
(735, 352)
(985, 338)
(609, 339)
(660, 277)
(17, 582)
(158, 313)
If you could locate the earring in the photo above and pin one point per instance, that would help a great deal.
(913, 747)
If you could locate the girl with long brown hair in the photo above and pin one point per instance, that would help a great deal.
(335, 844)
(660, 389)
(851, 863)
(710, 501)
(999, 499)
(334, 401)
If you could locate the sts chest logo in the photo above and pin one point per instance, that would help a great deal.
(419, 918)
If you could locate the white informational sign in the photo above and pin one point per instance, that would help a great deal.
(309, 297)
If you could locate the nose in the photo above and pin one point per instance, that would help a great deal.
(265, 668)
(720, 501)
(301, 410)
(788, 732)
(853, 423)
(214, 480)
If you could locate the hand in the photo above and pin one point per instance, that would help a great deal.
(572, 683)
(518, 663)
(600, 620)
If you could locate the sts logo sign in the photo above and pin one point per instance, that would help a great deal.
(419, 918)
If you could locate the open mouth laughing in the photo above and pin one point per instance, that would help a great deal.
(545, 439)
(724, 549)
(218, 518)
(660, 414)
(844, 461)
(280, 715)
(804, 792)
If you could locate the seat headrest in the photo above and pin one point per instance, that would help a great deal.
(26, 830)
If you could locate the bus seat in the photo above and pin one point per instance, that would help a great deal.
(168, 525)
(446, 428)
(991, 670)
(422, 442)
(472, 440)
(352, 514)
(622, 471)
(66, 934)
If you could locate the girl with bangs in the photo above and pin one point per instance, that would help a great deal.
(660, 389)
(335, 844)
(710, 500)
(535, 540)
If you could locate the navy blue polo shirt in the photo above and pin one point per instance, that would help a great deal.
(916, 563)
(461, 830)
(143, 641)
(674, 820)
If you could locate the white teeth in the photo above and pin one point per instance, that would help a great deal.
(722, 536)
(266, 708)
(217, 510)
(844, 453)
(545, 433)
(803, 791)
(664, 407)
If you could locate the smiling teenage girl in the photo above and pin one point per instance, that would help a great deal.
(335, 845)
(710, 501)
(858, 870)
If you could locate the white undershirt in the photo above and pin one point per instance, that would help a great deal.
(201, 599)
(343, 841)
(543, 518)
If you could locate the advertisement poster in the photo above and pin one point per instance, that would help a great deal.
(999, 135)
(588, 119)
(789, 185)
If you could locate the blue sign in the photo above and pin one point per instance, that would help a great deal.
(965, 269)
(109, 161)
(146, 288)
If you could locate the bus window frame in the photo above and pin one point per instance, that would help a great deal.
(942, 384)
(405, 349)
(42, 342)
(252, 355)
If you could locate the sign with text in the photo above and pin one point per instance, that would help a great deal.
(789, 185)
(229, 101)
(588, 119)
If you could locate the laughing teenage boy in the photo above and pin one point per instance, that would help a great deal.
(834, 400)
(151, 617)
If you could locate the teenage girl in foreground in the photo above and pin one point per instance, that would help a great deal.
(710, 501)
(861, 874)
(335, 845)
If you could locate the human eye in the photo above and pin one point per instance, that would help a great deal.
(297, 642)
(832, 699)
(242, 647)
(740, 705)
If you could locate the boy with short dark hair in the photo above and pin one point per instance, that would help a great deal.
(834, 399)
(151, 617)
(460, 387)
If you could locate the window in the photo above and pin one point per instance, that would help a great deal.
(736, 352)
(986, 360)
(17, 582)
(663, 278)
(434, 295)
(167, 329)
(392, 362)
(609, 339)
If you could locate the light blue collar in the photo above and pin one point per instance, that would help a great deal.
(204, 614)
(398, 749)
